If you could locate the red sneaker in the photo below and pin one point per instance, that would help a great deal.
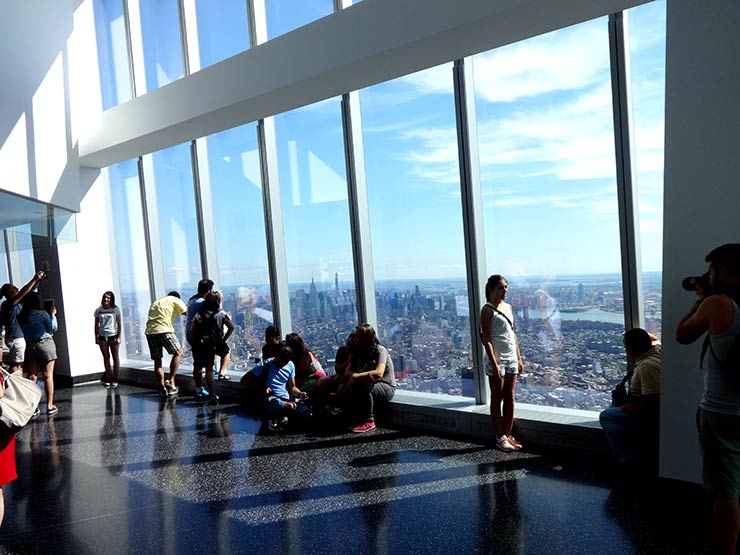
(367, 426)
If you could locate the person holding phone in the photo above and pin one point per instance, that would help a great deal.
(38, 327)
(9, 311)
(108, 337)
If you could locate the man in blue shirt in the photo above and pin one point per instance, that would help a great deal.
(274, 382)
(9, 310)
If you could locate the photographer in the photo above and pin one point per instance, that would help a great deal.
(9, 311)
(717, 313)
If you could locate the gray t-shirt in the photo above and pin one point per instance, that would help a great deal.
(107, 323)
(384, 357)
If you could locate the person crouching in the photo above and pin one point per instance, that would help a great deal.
(274, 383)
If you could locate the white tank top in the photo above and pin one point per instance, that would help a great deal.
(502, 337)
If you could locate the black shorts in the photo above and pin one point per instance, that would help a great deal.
(222, 349)
(107, 339)
(203, 357)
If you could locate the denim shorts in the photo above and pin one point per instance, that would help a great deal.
(504, 367)
(276, 405)
(17, 348)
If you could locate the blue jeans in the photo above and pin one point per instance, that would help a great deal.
(624, 431)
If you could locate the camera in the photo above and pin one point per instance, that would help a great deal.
(692, 283)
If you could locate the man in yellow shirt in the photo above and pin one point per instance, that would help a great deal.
(632, 429)
(160, 334)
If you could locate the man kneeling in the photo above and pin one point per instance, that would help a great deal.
(632, 429)
(273, 382)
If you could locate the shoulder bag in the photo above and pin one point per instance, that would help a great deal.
(21, 399)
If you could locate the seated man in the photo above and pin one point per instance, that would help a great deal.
(632, 429)
(274, 383)
(272, 343)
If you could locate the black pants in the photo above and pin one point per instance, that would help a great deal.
(361, 400)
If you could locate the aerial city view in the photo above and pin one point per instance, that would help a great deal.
(569, 329)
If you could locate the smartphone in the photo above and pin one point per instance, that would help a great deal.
(48, 304)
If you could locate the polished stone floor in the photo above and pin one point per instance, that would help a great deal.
(121, 471)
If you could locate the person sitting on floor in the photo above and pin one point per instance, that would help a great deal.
(273, 382)
(308, 369)
(369, 378)
(272, 343)
(632, 428)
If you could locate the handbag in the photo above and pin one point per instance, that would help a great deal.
(21, 399)
(620, 395)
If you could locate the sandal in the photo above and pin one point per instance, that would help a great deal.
(514, 443)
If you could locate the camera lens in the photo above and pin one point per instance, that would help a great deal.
(689, 283)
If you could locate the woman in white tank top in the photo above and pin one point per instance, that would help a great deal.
(502, 360)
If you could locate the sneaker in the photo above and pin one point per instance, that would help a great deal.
(114, 385)
(52, 410)
(36, 413)
(171, 388)
(277, 424)
(213, 399)
(366, 427)
(105, 382)
(202, 394)
(503, 444)
(223, 377)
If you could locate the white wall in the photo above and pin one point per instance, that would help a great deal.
(45, 45)
(702, 195)
(49, 93)
(86, 270)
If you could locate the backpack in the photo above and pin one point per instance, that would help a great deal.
(207, 332)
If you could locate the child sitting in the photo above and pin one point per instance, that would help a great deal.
(274, 383)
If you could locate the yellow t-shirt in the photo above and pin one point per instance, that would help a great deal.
(646, 379)
(162, 313)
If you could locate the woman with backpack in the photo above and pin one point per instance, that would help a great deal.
(502, 360)
(207, 340)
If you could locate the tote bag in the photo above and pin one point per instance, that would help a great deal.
(20, 401)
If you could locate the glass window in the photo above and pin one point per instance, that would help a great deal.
(133, 296)
(223, 29)
(316, 223)
(4, 275)
(285, 15)
(413, 181)
(115, 77)
(160, 29)
(178, 230)
(647, 26)
(24, 246)
(236, 189)
(546, 144)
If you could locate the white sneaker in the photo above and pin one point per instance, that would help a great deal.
(503, 444)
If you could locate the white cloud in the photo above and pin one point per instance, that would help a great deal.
(564, 60)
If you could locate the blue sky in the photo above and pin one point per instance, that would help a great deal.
(546, 149)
